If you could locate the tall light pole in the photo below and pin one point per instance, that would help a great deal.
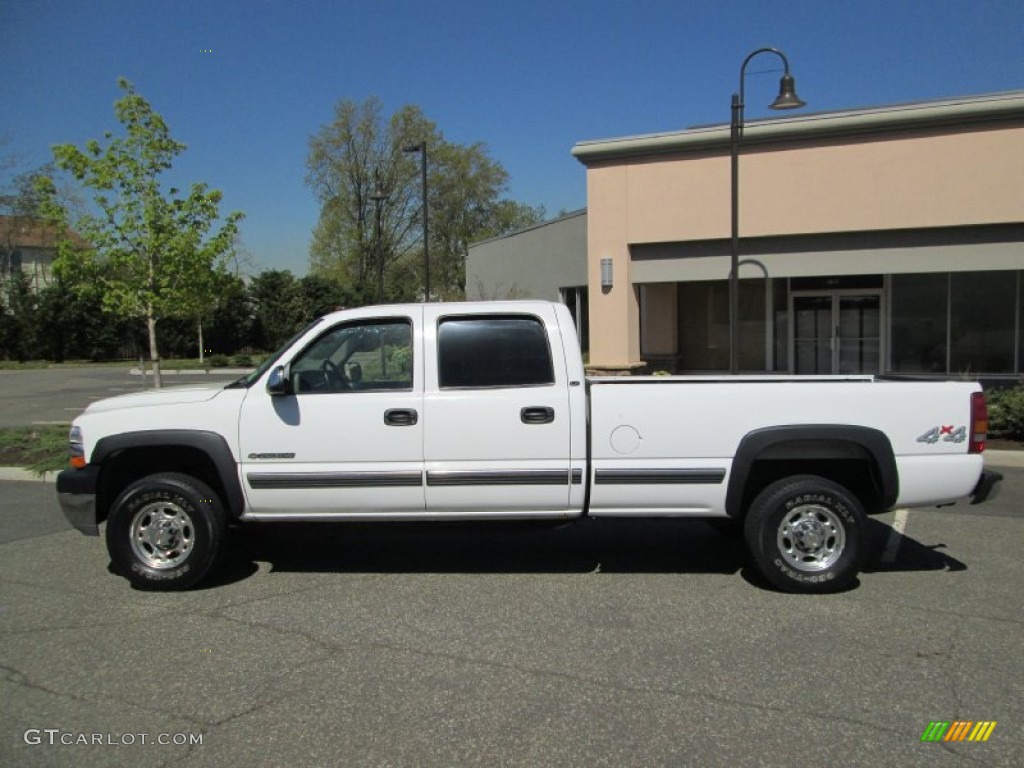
(378, 197)
(422, 149)
(787, 99)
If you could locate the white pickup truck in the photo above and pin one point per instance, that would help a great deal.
(483, 412)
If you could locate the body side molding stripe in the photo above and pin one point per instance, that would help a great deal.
(712, 476)
(268, 480)
(436, 478)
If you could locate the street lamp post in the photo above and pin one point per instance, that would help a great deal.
(422, 149)
(378, 197)
(787, 99)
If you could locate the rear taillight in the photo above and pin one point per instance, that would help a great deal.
(979, 423)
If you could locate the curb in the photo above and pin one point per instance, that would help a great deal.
(20, 474)
(194, 372)
(992, 459)
(996, 458)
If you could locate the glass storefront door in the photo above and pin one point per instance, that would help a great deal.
(836, 332)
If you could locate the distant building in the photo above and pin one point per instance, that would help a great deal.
(545, 261)
(27, 245)
(884, 240)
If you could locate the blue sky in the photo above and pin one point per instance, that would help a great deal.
(244, 84)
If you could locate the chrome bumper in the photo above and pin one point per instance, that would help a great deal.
(76, 494)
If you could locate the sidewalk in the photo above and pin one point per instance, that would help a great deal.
(993, 458)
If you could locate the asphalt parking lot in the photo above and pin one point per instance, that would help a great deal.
(646, 643)
(600, 644)
(57, 395)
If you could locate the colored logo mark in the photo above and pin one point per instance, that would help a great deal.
(958, 730)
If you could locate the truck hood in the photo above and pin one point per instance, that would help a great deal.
(155, 397)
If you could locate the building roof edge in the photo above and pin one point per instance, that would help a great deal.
(538, 225)
(988, 108)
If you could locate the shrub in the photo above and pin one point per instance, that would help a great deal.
(243, 361)
(401, 359)
(1006, 413)
(218, 361)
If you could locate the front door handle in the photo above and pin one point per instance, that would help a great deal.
(401, 417)
(537, 415)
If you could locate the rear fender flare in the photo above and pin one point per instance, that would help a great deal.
(820, 441)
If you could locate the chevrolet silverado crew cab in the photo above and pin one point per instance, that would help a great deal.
(483, 412)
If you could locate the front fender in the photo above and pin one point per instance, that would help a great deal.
(211, 444)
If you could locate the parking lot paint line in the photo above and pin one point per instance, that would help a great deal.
(892, 546)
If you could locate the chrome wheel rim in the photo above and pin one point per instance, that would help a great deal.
(162, 535)
(811, 537)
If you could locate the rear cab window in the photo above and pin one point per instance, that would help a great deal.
(493, 351)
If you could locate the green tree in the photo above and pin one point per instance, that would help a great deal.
(319, 295)
(21, 321)
(359, 155)
(230, 328)
(277, 307)
(158, 247)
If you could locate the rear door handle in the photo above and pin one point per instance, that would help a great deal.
(537, 415)
(401, 417)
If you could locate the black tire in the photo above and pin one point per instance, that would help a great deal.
(166, 531)
(807, 534)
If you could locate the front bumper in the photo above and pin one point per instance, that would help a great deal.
(76, 494)
(987, 487)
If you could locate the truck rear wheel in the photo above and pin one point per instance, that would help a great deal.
(165, 531)
(807, 534)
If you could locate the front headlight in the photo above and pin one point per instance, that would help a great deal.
(76, 448)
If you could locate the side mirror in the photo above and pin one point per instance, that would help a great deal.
(277, 382)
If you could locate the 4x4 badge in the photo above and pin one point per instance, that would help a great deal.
(946, 433)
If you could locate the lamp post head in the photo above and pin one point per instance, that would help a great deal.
(787, 98)
(414, 147)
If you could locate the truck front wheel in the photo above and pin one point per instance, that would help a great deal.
(165, 531)
(807, 534)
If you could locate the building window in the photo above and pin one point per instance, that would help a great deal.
(752, 325)
(577, 300)
(956, 323)
(983, 319)
(1020, 322)
(703, 326)
(919, 312)
(780, 328)
(703, 311)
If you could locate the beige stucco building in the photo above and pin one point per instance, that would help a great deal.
(880, 240)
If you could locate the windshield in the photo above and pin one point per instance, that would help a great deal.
(251, 378)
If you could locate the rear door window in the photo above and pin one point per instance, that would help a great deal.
(493, 351)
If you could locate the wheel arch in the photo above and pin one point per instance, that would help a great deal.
(128, 456)
(860, 458)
